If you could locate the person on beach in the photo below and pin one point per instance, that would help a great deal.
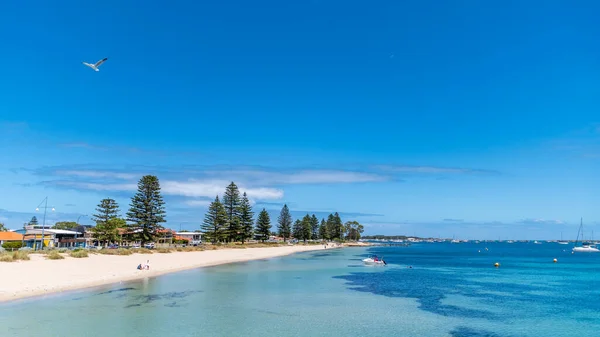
(147, 266)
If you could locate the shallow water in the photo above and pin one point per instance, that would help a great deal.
(452, 290)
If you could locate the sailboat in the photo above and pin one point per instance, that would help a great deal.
(585, 247)
(562, 242)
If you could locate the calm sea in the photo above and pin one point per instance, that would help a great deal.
(451, 290)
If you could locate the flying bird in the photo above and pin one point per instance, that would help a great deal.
(95, 66)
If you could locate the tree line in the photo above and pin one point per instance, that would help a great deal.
(228, 220)
(231, 220)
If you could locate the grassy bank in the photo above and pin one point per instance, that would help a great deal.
(59, 254)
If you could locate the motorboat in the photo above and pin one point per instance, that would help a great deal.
(374, 260)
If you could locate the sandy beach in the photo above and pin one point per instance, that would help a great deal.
(40, 276)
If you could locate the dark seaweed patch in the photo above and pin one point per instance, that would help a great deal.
(116, 291)
(148, 299)
(463, 331)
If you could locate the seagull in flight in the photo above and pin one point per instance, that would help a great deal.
(96, 65)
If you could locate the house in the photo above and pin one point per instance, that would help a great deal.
(193, 238)
(10, 237)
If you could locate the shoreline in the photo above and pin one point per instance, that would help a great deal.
(40, 276)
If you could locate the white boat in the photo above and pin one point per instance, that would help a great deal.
(374, 260)
(561, 241)
(585, 247)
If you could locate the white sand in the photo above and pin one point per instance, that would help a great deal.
(40, 276)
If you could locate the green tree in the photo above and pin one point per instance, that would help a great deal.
(107, 221)
(338, 226)
(33, 221)
(3, 228)
(215, 222)
(323, 233)
(335, 227)
(65, 225)
(314, 227)
(246, 219)
(284, 223)
(263, 225)
(297, 230)
(354, 230)
(232, 202)
(306, 228)
(330, 225)
(107, 209)
(108, 231)
(147, 210)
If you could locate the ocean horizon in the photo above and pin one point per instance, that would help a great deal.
(426, 289)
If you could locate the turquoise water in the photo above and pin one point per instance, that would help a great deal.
(452, 290)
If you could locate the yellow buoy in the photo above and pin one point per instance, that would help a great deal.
(555, 260)
(496, 264)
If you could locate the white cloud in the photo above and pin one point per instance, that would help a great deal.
(317, 177)
(95, 186)
(541, 222)
(248, 177)
(431, 169)
(98, 174)
(298, 177)
(212, 188)
(190, 188)
(201, 203)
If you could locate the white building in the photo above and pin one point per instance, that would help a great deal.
(194, 238)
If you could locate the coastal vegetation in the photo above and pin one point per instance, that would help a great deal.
(58, 254)
(143, 219)
(68, 225)
(231, 220)
(215, 221)
(147, 210)
(263, 225)
(227, 224)
(12, 245)
(284, 223)
(54, 255)
(78, 253)
(14, 256)
(107, 221)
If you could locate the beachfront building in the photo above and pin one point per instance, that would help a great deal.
(82, 239)
(53, 238)
(193, 238)
(6, 237)
(165, 236)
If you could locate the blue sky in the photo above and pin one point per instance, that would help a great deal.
(473, 119)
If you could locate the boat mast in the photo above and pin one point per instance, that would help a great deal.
(579, 231)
